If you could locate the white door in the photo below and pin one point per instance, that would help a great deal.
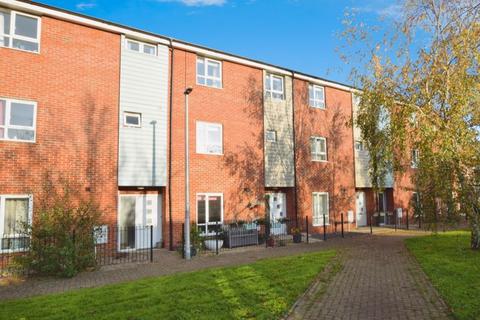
(278, 210)
(136, 214)
(361, 209)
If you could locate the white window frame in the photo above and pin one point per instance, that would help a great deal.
(317, 155)
(269, 92)
(2, 219)
(359, 143)
(205, 76)
(268, 139)
(327, 216)
(7, 125)
(12, 35)
(132, 114)
(207, 211)
(141, 46)
(197, 144)
(414, 159)
(316, 103)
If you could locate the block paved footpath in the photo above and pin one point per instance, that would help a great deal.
(379, 279)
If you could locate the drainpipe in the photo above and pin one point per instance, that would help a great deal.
(294, 152)
(169, 186)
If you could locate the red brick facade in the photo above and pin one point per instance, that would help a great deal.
(75, 82)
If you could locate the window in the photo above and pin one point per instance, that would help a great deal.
(141, 47)
(415, 158)
(382, 202)
(319, 149)
(17, 120)
(132, 119)
(274, 87)
(271, 135)
(15, 214)
(209, 138)
(209, 212)
(320, 209)
(209, 72)
(359, 146)
(19, 31)
(316, 96)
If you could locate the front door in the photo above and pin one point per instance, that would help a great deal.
(278, 211)
(135, 216)
(361, 209)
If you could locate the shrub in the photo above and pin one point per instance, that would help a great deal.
(62, 242)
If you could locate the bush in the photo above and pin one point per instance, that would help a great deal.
(62, 242)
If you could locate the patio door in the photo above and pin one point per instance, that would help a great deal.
(278, 211)
(136, 214)
(361, 209)
(382, 208)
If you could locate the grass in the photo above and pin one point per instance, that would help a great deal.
(453, 268)
(265, 289)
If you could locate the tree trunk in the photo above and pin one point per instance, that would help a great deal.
(475, 226)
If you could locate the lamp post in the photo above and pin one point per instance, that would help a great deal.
(187, 180)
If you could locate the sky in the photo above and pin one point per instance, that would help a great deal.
(297, 34)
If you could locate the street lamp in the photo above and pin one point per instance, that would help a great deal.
(187, 180)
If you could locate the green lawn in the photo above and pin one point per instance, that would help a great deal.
(453, 268)
(262, 290)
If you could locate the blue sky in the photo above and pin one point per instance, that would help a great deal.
(297, 34)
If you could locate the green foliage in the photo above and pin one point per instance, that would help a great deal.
(265, 289)
(452, 268)
(62, 242)
(423, 98)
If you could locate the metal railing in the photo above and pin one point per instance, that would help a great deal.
(108, 244)
(235, 235)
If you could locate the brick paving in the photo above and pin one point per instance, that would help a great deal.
(379, 280)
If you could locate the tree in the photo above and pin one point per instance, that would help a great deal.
(420, 90)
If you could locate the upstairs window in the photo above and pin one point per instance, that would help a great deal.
(209, 72)
(415, 158)
(271, 135)
(359, 146)
(318, 148)
(141, 47)
(209, 138)
(19, 31)
(132, 119)
(320, 209)
(274, 87)
(316, 96)
(17, 120)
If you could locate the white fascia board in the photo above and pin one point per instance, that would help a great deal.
(324, 83)
(38, 10)
(226, 57)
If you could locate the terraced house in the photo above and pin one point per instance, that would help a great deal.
(103, 106)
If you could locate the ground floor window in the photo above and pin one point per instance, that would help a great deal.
(320, 208)
(209, 212)
(15, 215)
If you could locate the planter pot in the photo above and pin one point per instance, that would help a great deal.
(212, 244)
(271, 242)
(297, 238)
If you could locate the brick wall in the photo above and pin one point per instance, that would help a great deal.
(336, 176)
(239, 172)
(74, 80)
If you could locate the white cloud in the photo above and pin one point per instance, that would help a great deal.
(85, 5)
(198, 3)
(393, 11)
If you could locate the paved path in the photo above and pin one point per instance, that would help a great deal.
(379, 280)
